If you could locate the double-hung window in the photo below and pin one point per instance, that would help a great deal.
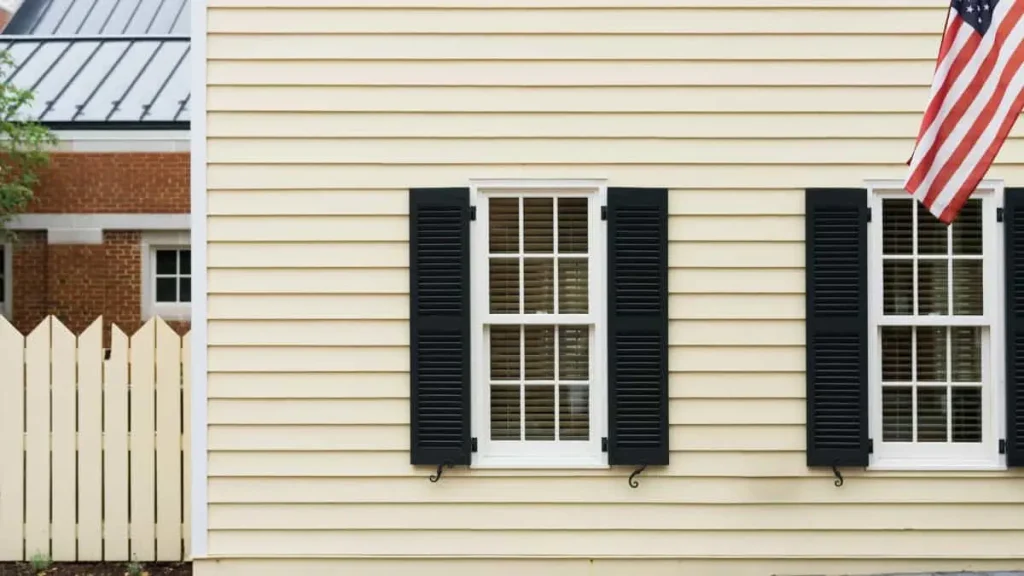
(915, 351)
(538, 308)
(538, 325)
(935, 334)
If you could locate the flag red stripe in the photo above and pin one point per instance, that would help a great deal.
(955, 71)
(955, 115)
(947, 44)
(981, 167)
(984, 118)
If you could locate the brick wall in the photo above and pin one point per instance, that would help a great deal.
(119, 183)
(77, 283)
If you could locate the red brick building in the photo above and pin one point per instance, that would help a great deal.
(107, 233)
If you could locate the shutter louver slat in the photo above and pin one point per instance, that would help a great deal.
(439, 326)
(837, 327)
(638, 326)
(1013, 223)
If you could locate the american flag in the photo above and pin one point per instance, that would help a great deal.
(977, 93)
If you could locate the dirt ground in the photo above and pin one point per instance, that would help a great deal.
(96, 569)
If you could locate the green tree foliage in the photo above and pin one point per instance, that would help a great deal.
(24, 145)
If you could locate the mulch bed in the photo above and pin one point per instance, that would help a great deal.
(96, 569)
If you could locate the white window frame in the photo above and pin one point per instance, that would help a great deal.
(945, 456)
(536, 454)
(6, 304)
(151, 242)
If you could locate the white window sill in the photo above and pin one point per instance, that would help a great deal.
(911, 465)
(537, 464)
(172, 312)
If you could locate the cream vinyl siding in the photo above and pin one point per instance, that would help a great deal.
(323, 113)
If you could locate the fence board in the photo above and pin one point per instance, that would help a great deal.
(12, 442)
(90, 438)
(168, 443)
(94, 444)
(186, 441)
(115, 447)
(62, 460)
(143, 482)
(37, 441)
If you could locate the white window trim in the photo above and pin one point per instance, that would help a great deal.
(151, 242)
(575, 455)
(7, 305)
(918, 457)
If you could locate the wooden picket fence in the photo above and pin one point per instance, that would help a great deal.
(94, 444)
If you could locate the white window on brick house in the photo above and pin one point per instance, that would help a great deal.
(167, 276)
(173, 275)
(936, 335)
(539, 302)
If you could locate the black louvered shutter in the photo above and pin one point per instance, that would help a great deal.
(439, 325)
(637, 326)
(837, 327)
(1013, 226)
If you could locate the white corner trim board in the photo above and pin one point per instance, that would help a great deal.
(197, 56)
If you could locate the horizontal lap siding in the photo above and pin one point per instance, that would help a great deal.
(323, 113)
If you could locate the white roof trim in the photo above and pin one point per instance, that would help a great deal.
(101, 222)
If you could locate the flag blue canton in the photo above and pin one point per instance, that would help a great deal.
(976, 13)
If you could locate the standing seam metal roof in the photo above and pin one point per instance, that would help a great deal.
(103, 63)
(101, 17)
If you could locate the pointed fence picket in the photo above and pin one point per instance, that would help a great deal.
(94, 443)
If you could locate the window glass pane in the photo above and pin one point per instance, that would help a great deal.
(166, 261)
(573, 413)
(573, 279)
(572, 225)
(539, 285)
(931, 414)
(966, 359)
(185, 294)
(538, 225)
(573, 352)
(932, 235)
(540, 412)
(932, 287)
(897, 414)
(967, 229)
(505, 422)
(968, 288)
(896, 354)
(898, 287)
(503, 216)
(504, 285)
(967, 414)
(540, 352)
(166, 290)
(505, 352)
(185, 261)
(897, 227)
(931, 354)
